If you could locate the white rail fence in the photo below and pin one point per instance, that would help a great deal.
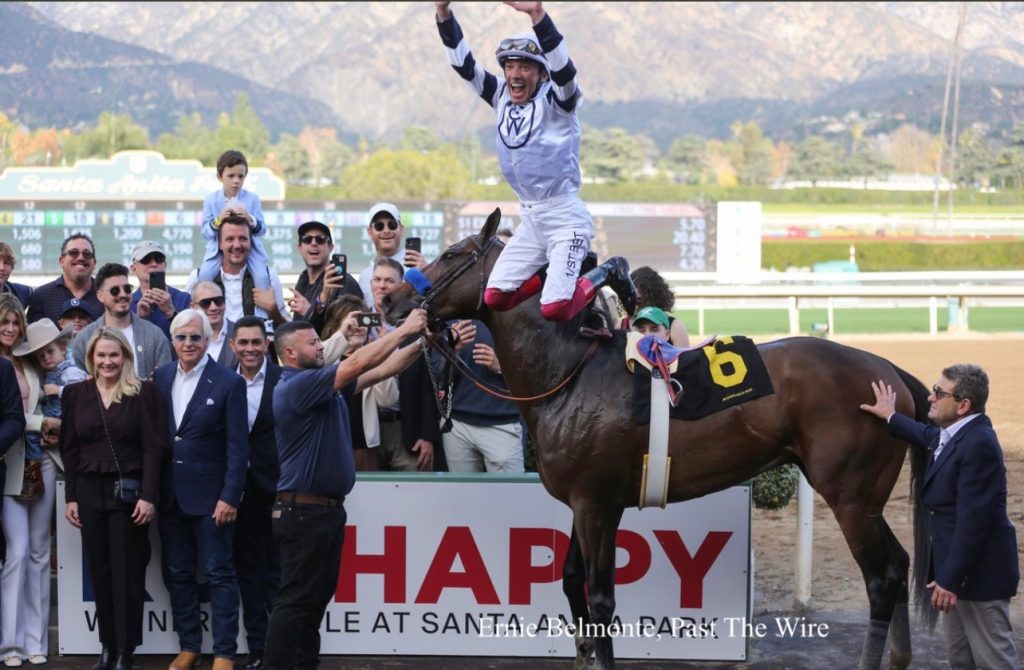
(793, 291)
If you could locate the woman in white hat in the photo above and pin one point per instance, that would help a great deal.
(25, 579)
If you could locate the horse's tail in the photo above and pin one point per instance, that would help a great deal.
(922, 543)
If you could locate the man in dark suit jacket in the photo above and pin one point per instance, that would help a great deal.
(202, 489)
(257, 559)
(974, 568)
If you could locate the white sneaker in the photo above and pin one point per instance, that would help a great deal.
(37, 659)
(13, 661)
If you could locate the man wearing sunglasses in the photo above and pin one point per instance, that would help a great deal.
(320, 284)
(539, 152)
(156, 305)
(974, 569)
(385, 231)
(77, 261)
(149, 344)
(209, 299)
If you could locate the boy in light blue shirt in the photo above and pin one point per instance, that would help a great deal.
(232, 199)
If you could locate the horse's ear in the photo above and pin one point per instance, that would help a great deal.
(491, 225)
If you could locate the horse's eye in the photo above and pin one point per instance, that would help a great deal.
(448, 255)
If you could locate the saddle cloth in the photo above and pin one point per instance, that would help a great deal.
(726, 372)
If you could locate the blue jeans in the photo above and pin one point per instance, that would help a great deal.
(310, 539)
(183, 537)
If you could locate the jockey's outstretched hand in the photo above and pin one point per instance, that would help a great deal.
(442, 10)
(534, 9)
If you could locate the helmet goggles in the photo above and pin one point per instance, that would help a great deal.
(520, 48)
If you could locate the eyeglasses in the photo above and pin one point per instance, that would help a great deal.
(193, 338)
(75, 253)
(216, 300)
(310, 239)
(153, 258)
(939, 393)
(115, 291)
(517, 44)
(379, 225)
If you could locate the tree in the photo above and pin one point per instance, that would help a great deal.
(912, 150)
(754, 153)
(398, 175)
(419, 138)
(975, 158)
(1008, 171)
(816, 158)
(687, 160)
(40, 147)
(112, 133)
(611, 155)
(866, 161)
(7, 130)
(243, 130)
(190, 139)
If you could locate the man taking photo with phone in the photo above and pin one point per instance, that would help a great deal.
(386, 231)
(154, 300)
(324, 281)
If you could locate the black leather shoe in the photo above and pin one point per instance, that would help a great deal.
(106, 661)
(125, 658)
(254, 662)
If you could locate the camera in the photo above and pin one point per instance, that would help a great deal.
(369, 320)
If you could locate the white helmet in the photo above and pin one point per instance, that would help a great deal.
(522, 46)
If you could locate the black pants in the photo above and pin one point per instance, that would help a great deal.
(258, 564)
(310, 539)
(118, 551)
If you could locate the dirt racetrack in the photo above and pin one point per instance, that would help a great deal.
(837, 590)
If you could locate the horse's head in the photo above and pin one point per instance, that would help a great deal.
(452, 286)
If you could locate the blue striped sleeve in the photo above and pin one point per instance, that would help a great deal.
(462, 61)
(563, 72)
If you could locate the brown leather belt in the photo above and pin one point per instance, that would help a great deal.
(286, 497)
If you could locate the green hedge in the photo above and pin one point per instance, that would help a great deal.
(891, 256)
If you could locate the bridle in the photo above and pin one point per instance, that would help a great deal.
(479, 252)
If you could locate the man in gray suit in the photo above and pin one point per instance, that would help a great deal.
(147, 341)
(209, 297)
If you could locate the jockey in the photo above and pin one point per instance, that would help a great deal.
(538, 148)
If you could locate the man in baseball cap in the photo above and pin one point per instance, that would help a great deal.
(653, 321)
(322, 283)
(156, 304)
(385, 230)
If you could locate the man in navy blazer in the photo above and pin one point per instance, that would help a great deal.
(257, 559)
(202, 489)
(974, 568)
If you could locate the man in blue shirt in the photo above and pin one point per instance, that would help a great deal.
(314, 444)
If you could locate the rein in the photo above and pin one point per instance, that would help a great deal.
(468, 373)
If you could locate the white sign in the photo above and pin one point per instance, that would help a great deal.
(739, 242)
(474, 568)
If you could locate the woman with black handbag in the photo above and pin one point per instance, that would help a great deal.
(113, 437)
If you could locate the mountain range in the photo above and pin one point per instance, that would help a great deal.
(372, 69)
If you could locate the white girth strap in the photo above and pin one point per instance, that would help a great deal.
(654, 483)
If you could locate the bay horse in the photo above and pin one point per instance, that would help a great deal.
(590, 449)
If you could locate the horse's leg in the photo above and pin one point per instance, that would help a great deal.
(597, 527)
(574, 579)
(885, 566)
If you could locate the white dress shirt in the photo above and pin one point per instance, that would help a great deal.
(214, 347)
(254, 391)
(184, 387)
(947, 433)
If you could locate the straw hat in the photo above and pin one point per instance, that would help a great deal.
(40, 334)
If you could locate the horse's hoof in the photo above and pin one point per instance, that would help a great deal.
(898, 661)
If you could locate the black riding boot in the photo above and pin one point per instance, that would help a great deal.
(125, 658)
(106, 661)
(614, 273)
